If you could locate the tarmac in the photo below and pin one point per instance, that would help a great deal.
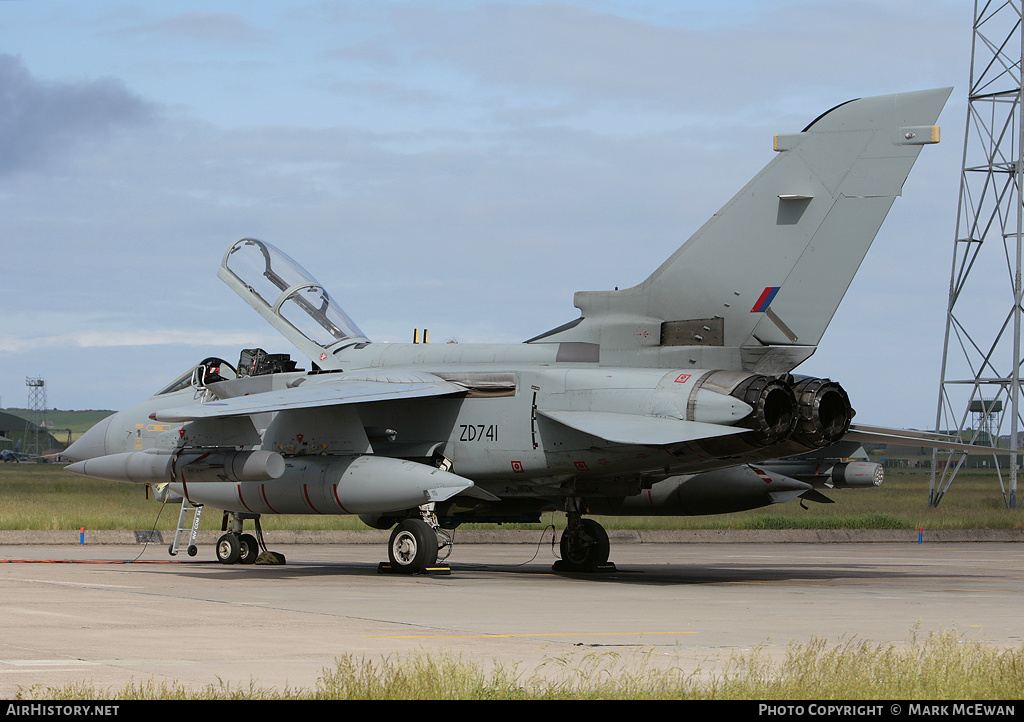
(115, 611)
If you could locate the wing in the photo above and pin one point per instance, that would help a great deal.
(336, 391)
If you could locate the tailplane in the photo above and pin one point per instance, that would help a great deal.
(756, 287)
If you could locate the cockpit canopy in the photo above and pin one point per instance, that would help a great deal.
(208, 371)
(288, 296)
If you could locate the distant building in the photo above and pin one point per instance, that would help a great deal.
(13, 428)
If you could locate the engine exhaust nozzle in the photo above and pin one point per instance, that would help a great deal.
(774, 415)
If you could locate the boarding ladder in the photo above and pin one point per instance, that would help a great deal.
(183, 526)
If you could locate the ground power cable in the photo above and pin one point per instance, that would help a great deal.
(152, 531)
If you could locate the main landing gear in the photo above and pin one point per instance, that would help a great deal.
(584, 544)
(417, 545)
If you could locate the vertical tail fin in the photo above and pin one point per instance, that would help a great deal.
(767, 272)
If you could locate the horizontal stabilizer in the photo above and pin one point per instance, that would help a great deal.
(905, 437)
(641, 430)
(334, 392)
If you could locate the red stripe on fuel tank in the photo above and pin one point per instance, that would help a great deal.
(263, 493)
(242, 501)
(305, 493)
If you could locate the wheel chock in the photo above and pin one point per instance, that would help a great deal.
(270, 558)
(606, 568)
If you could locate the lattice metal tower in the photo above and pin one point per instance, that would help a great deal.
(37, 413)
(982, 356)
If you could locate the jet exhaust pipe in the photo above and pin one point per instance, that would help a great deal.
(155, 467)
(771, 421)
(824, 412)
(811, 412)
(788, 417)
(774, 416)
(772, 403)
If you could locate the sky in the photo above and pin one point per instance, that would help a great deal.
(459, 166)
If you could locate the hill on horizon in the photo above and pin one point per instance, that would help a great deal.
(57, 421)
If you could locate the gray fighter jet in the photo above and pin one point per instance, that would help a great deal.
(672, 397)
(16, 454)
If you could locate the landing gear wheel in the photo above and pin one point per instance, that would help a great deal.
(413, 547)
(229, 549)
(250, 549)
(586, 549)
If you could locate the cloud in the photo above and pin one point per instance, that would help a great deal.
(217, 28)
(122, 339)
(581, 60)
(39, 119)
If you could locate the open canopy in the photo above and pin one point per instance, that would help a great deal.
(288, 297)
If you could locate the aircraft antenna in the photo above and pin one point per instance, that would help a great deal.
(982, 354)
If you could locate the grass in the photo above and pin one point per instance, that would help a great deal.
(45, 496)
(941, 667)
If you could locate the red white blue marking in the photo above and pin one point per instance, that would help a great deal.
(765, 300)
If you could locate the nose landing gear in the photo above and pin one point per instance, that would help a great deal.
(236, 547)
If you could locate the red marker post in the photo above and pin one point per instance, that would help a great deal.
(81, 536)
(920, 535)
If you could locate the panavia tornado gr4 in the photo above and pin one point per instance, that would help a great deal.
(674, 397)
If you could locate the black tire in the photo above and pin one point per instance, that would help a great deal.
(229, 549)
(413, 547)
(250, 549)
(588, 549)
(193, 550)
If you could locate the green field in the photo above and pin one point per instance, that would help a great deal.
(45, 496)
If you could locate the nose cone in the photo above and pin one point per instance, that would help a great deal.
(93, 443)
